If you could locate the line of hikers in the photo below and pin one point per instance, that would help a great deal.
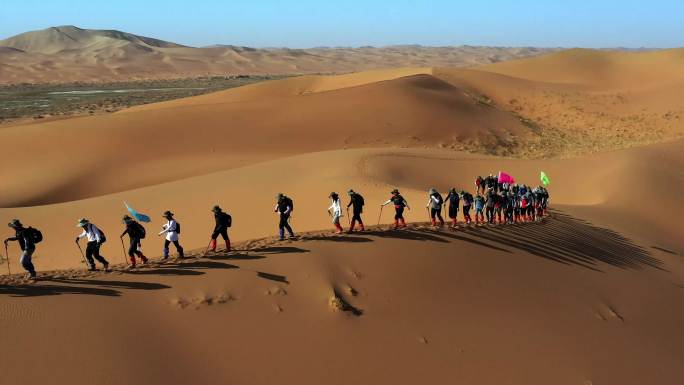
(502, 203)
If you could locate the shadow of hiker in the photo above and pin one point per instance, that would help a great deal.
(336, 238)
(273, 277)
(409, 234)
(111, 284)
(279, 250)
(163, 271)
(46, 290)
(571, 241)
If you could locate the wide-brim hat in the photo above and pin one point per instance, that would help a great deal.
(395, 191)
(351, 192)
(127, 218)
(216, 209)
(82, 222)
(167, 214)
(14, 223)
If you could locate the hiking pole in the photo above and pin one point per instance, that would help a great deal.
(348, 219)
(123, 248)
(379, 216)
(9, 272)
(82, 255)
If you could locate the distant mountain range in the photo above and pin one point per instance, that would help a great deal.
(69, 53)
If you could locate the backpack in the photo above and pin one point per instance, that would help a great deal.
(290, 203)
(34, 235)
(440, 200)
(139, 230)
(103, 237)
(227, 220)
(177, 227)
(360, 200)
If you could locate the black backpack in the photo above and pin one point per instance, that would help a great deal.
(440, 200)
(34, 235)
(227, 220)
(138, 230)
(177, 227)
(360, 200)
(290, 203)
(103, 237)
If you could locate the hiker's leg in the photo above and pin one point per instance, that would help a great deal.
(224, 234)
(166, 248)
(179, 248)
(26, 262)
(96, 254)
(132, 248)
(89, 254)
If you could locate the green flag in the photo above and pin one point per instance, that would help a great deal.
(545, 179)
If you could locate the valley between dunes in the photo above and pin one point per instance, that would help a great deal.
(590, 295)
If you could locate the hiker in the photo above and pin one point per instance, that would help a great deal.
(357, 203)
(27, 238)
(531, 204)
(435, 202)
(479, 184)
(490, 202)
(454, 200)
(223, 222)
(172, 231)
(479, 207)
(95, 238)
(136, 233)
(467, 204)
(284, 207)
(517, 208)
(399, 205)
(335, 211)
(498, 206)
(509, 207)
(545, 200)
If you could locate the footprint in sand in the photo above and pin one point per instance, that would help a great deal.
(197, 303)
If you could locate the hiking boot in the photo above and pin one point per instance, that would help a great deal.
(106, 267)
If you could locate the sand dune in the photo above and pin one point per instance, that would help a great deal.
(69, 54)
(601, 69)
(150, 146)
(588, 296)
(561, 302)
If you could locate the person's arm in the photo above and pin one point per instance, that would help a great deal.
(165, 229)
(124, 232)
(79, 236)
(407, 205)
(11, 239)
(386, 203)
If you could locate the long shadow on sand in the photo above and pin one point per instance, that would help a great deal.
(77, 286)
(571, 241)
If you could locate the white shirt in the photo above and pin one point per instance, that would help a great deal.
(171, 230)
(91, 232)
(336, 208)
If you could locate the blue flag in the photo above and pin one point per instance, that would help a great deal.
(137, 215)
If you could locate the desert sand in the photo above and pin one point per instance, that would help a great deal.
(590, 295)
(69, 53)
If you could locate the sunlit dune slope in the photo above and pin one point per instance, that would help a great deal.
(86, 157)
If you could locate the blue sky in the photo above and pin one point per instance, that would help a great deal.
(306, 23)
